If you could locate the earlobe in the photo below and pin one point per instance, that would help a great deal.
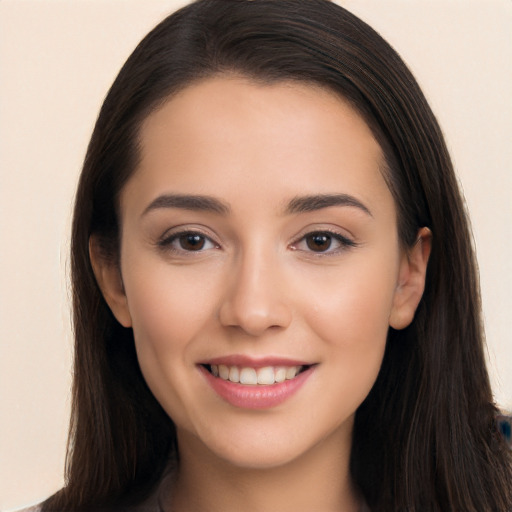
(411, 280)
(108, 277)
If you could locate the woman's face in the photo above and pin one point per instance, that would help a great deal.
(259, 241)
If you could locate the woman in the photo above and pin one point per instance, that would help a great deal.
(263, 191)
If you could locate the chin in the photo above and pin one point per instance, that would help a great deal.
(257, 457)
(267, 444)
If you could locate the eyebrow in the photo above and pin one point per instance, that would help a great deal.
(303, 204)
(299, 204)
(188, 202)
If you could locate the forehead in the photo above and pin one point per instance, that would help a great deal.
(229, 133)
(219, 104)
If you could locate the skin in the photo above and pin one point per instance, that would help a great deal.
(257, 288)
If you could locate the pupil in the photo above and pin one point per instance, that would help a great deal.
(319, 242)
(192, 242)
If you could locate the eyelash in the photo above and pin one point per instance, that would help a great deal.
(167, 242)
(332, 236)
(344, 242)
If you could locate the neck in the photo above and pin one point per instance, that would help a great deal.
(318, 480)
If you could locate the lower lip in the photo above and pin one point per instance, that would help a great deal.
(256, 396)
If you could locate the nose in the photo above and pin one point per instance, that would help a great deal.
(255, 299)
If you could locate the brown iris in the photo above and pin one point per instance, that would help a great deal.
(192, 242)
(319, 242)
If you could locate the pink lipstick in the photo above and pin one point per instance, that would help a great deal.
(255, 383)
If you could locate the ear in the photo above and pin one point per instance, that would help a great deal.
(411, 280)
(108, 277)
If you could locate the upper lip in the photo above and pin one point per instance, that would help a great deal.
(244, 361)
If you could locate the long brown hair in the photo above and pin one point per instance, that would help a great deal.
(425, 438)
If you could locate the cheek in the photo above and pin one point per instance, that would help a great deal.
(353, 324)
(353, 307)
(168, 305)
(169, 309)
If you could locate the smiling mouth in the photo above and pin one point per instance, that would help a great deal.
(249, 376)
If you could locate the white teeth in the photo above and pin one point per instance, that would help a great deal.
(223, 372)
(280, 374)
(266, 375)
(291, 372)
(234, 374)
(250, 376)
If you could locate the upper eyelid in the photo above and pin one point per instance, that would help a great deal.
(167, 240)
(345, 242)
(342, 236)
(327, 227)
(183, 230)
(338, 233)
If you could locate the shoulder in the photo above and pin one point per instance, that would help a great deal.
(150, 505)
(154, 503)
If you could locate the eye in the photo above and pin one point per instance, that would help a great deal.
(319, 242)
(188, 241)
(323, 242)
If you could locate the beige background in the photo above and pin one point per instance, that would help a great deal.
(57, 60)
